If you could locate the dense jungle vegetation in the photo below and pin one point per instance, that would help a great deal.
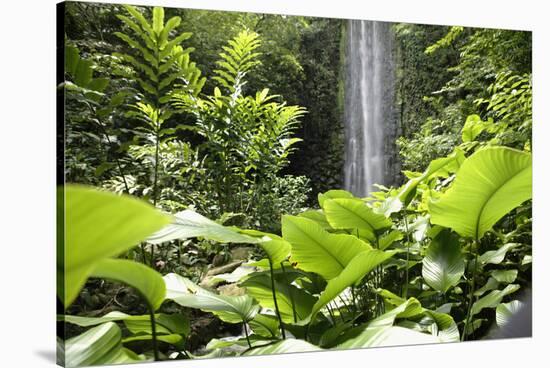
(203, 214)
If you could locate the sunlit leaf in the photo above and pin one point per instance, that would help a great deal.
(232, 309)
(98, 225)
(316, 250)
(490, 183)
(282, 347)
(99, 345)
(444, 263)
(145, 280)
(189, 224)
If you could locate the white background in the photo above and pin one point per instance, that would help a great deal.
(27, 180)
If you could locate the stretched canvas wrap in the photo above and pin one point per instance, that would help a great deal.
(236, 184)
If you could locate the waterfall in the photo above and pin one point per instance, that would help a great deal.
(369, 118)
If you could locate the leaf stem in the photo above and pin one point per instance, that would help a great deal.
(275, 299)
(471, 296)
(246, 334)
(289, 289)
(406, 286)
(154, 333)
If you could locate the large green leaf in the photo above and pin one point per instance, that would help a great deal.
(506, 310)
(232, 309)
(388, 336)
(265, 325)
(189, 224)
(259, 287)
(488, 185)
(317, 216)
(497, 256)
(473, 127)
(169, 323)
(236, 344)
(357, 268)
(351, 213)
(146, 281)
(493, 299)
(285, 346)
(98, 346)
(94, 321)
(443, 265)
(446, 328)
(440, 166)
(402, 309)
(331, 194)
(388, 239)
(505, 276)
(316, 250)
(97, 225)
(276, 248)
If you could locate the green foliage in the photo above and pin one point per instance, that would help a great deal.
(235, 309)
(443, 265)
(97, 225)
(157, 59)
(188, 224)
(344, 213)
(355, 270)
(438, 257)
(239, 58)
(488, 185)
(98, 346)
(147, 281)
(316, 250)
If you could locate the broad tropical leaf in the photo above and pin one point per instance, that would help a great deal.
(388, 239)
(351, 213)
(173, 339)
(443, 265)
(285, 346)
(497, 256)
(94, 321)
(97, 225)
(289, 297)
(317, 216)
(265, 325)
(388, 336)
(493, 299)
(236, 344)
(442, 324)
(505, 276)
(440, 166)
(276, 248)
(231, 309)
(506, 310)
(357, 268)
(332, 194)
(402, 309)
(170, 323)
(189, 224)
(98, 346)
(316, 250)
(146, 281)
(489, 184)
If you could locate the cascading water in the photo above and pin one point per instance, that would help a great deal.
(370, 123)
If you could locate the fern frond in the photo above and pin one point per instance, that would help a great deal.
(237, 59)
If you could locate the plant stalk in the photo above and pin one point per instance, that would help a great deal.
(275, 299)
(246, 335)
(154, 333)
(471, 296)
(289, 289)
(406, 286)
